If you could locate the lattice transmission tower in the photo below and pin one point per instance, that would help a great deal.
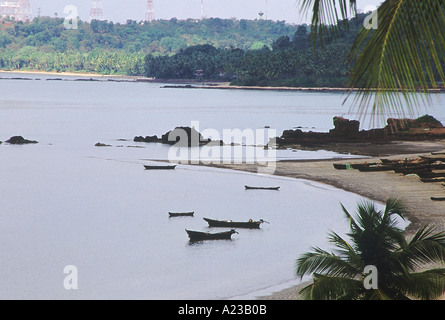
(202, 10)
(150, 13)
(96, 12)
(19, 10)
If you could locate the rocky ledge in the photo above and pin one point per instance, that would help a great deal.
(179, 136)
(347, 131)
(19, 140)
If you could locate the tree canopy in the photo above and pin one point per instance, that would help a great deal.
(110, 48)
(290, 60)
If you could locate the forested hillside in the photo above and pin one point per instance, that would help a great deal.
(288, 61)
(108, 48)
(245, 52)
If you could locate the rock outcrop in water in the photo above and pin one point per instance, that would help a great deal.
(19, 140)
(347, 131)
(100, 144)
(179, 136)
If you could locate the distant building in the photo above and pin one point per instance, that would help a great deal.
(199, 74)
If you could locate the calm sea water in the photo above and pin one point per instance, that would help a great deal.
(67, 202)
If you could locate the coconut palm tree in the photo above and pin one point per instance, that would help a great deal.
(377, 241)
(402, 53)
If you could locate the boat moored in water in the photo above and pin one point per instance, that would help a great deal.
(181, 214)
(234, 224)
(261, 188)
(199, 236)
(159, 167)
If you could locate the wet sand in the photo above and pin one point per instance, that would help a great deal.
(377, 186)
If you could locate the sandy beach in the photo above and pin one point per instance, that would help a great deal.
(76, 74)
(377, 186)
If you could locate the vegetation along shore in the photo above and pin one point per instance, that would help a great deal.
(241, 52)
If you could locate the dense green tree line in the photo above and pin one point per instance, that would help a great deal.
(110, 48)
(287, 62)
(246, 52)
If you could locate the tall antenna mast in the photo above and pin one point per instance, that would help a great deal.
(96, 12)
(202, 9)
(19, 10)
(150, 14)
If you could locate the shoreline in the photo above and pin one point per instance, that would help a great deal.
(55, 73)
(192, 84)
(377, 186)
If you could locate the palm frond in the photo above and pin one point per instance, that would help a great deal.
(425, 285)
(426, 246)
(352, 223)
(345, 249)
(396, 66)
(324, 262)
(326, 15)
(402, 57)
(332, 288)
(376, 294)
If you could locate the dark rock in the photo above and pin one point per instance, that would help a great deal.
(179, 136)
(347, 131)
(291, 134)
(424, 122)
(19, 140)
(139, 139)
(152, 139)
(345, 126)
(99, 144)
(147, 139)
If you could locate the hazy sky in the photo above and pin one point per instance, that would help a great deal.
(121, 10)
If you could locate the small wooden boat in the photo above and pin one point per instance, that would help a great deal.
(159, 167)
(432, 179)
(393, 162)
(414, 169)
(377, 167)
(362, 165)
(405, 162)
(233, 224)
(438, 198)
(341, 166)
(261, 188)
(199, 236)
(434, 158)
(181, 214)
(432, 174)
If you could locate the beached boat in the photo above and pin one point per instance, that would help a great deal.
(432, 179)
(199, 236)
(432, 174)
(396, 161)
(377, 167)
(362, 165)
(438, 198)
(341, 166)
(159, 167)
(414, 169)
(233, 224)
(405, 162)
(181, 214)
(261, 188)
(434, 158)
